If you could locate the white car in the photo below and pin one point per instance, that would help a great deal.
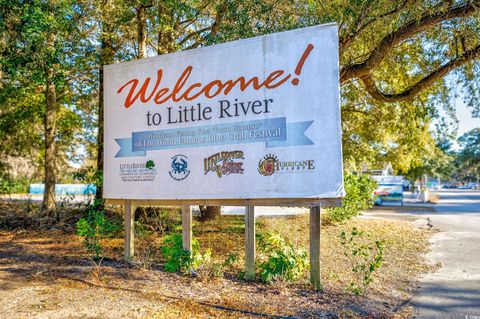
(469, 186)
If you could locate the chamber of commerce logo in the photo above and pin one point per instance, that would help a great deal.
(150, 164)
(179, 166)
(133, 172)
(270, 164)
(224, 163)
(266, 166)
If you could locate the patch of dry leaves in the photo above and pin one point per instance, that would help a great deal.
(48, 274)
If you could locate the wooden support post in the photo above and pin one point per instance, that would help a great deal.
(129, 229)
(315, 247)
(249, 242)
(187, 227)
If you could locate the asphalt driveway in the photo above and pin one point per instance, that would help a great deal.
(453, 291)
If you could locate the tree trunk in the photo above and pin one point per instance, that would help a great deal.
(48, 204)
(106, 57)
(142, 31)
(209, 212)
(166, 35)
(166, 44)
(99, 182)
(161, 16)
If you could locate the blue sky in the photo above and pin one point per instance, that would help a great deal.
(465, 120)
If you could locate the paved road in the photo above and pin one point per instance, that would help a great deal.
(454, 290)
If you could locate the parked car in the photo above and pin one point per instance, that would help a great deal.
(472, 186)
(450, 185)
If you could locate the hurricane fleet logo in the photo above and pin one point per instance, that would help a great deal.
(266, 166)
(179, 166)
(134, 172)
(270, 164)
(224, 163)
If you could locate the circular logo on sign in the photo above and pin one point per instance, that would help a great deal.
(266, 166)
(179, 166)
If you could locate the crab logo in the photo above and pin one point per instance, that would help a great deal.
(179, 167)
(267, 165)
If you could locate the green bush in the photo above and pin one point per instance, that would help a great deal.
(359, 189)
(365, 257)
(179, 259)
(282, 259)
(89, 175)
(9, 185)
(95, 227)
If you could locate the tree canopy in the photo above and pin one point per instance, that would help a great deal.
(468, 159)
(402, 63)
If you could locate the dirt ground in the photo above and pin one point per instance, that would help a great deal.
(46, 273)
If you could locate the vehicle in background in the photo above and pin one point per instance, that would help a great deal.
(469, 186)
(389, 190)
(453, 185)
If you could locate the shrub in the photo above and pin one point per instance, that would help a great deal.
(159, 219)
(179, 259)
(282, 259)
(91, 176)
(359, 189)
(10, 185)
(234, 265)
(231, 260)
(365, 258)
(209, 269)
(95, 227)
(146, 251)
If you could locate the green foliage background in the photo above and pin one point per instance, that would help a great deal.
(359, 190)
(74, 39)
(281, 259)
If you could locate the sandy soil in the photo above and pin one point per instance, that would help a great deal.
(46, 274)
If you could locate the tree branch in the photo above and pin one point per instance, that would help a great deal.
(193, 34)
(350, 34)
(353, 110)
(219, 18)
(345, 41)
(425, 82)
(193, 46)
(408, 30)
(186, 23)
(214, 28)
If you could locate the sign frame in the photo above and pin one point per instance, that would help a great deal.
(331, 200)
(314, 203)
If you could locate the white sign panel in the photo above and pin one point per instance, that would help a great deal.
(255, 118)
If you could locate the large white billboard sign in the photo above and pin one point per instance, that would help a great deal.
(252, 119)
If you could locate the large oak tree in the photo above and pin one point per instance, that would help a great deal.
(401, 62)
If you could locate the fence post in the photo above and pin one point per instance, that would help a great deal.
(187, 227)
(129, 209)
(249, 242)
(315, 247)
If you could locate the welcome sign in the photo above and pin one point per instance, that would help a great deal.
(252, 119)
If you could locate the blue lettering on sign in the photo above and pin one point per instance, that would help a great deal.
(274, 132)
